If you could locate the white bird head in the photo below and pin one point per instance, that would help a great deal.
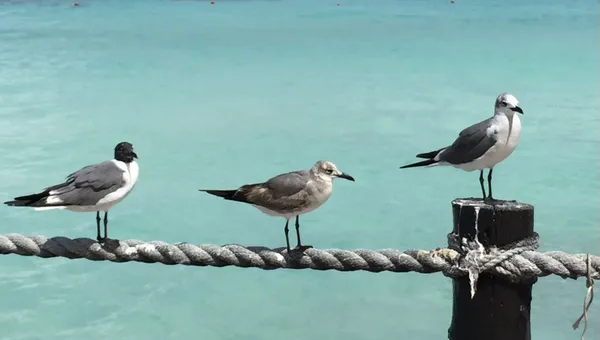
(327, 170)
(507, 104)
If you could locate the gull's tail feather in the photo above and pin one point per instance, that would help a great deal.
(422, 163)
(45, 200)
(34, 200)
(17, 203)
(231, 195)
(48, 198)
(429, 155)
(432, 159)
(226, 194)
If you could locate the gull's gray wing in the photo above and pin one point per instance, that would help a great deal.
(281, 193)
(288, 184)
(471, 144)
(89, 185)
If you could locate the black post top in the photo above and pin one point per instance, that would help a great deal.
(496, 223)
(496, 204)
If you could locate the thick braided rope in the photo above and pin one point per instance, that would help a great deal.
(477, 259)
(523, 266)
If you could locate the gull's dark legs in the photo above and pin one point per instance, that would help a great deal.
(490, 183)
(298, 231)
(98, 237)
(299, 246)
(481, 182)
(287, 239)
(105, 225)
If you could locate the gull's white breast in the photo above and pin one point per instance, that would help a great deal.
(320, 193)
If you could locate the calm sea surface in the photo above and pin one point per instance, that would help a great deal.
(218, 96)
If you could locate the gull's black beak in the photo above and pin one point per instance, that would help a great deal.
(518, 109)
(134, 155)
(346, 176)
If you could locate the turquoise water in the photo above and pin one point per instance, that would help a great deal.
(218, 96)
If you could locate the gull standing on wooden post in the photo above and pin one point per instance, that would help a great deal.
(95, 187)
(483, 145)
(288, 195)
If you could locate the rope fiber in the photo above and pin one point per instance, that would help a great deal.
(517, 263)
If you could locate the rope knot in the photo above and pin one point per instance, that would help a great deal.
(476, 259)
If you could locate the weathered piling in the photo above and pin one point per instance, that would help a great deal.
(500, 309)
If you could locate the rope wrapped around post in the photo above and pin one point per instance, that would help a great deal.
(513, 265)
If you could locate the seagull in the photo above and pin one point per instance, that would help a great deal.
(288, 195)
(482, 145)
(95, 187)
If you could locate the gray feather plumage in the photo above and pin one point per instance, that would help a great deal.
(283, 193)
(90, 184)
(288, 184)
(472, 143)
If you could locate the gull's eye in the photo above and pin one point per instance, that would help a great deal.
(503, 104)
(329, 171)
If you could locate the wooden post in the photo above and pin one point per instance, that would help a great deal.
(500, 310)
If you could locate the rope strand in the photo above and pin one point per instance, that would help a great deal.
(514, 264)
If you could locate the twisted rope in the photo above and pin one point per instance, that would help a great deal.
(515, 266)
(476, 259)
